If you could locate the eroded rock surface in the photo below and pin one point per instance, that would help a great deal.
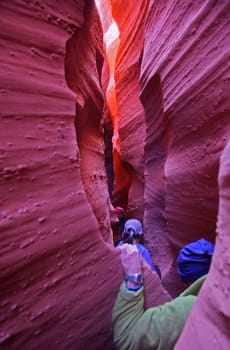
(130, 20)
(54, 262)
(184, 88)
(212, 310)
(59, 271)
(83, 66)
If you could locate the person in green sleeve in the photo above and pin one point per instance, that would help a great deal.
(156, 328)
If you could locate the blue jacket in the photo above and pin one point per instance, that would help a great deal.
(145, 253)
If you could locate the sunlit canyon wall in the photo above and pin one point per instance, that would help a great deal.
(131, 123)
(59, 272)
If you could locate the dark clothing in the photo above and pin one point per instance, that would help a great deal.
(121, 225)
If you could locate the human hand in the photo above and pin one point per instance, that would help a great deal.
(131, 259)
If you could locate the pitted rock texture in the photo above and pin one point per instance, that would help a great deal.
(83, 69)
(184, 89)
(54, 262)
(212, 310)
(59, 275)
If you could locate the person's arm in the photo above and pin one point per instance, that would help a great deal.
(128, 307)
(156, 328)
(127, 311)
(195, 287)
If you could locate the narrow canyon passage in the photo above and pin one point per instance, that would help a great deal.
(104, 104)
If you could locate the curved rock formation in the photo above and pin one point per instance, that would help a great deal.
(185, 71)
(54, 262)
(83, 69)
(169, 115)
(131, 123)
(209, 321)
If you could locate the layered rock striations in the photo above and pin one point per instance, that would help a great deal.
(166, 112)
(130, 20)
(83, 67)
(55, 264)
(59, 272)
(212, 310)
(184, 89)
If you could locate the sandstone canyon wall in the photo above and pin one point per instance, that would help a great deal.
(184, 90)
(131, 123)
(59, 272)
(209, 322)
(172, 86)
(54, 261)
(83, 67)
(192, 65)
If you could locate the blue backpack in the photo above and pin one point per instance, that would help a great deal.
(194, 260)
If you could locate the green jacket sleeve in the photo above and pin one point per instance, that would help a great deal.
(157, 328)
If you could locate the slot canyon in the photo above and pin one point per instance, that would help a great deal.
(110, 103)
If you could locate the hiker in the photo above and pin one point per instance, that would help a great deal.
(155, 328)
(120, 213)
(194, 260)
(117, 223)
(133, 234)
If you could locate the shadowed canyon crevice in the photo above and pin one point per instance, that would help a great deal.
(126, 105)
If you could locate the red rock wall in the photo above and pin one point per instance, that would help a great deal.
(131, 124)
(58, 274)
(209, 321)
(185, 68)
(184, 89)
(54, 263)
(84, 62)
